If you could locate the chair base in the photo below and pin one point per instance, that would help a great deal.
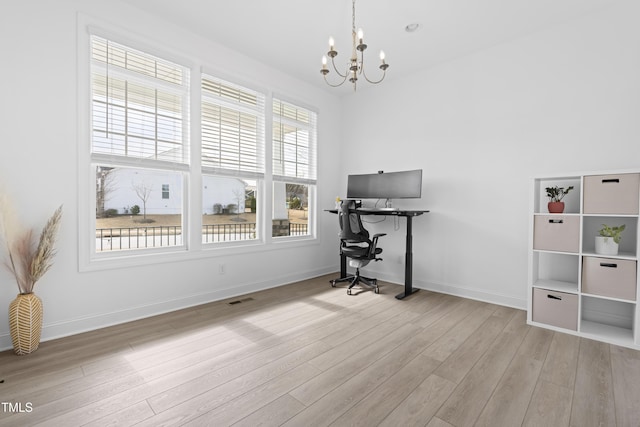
(356, 279)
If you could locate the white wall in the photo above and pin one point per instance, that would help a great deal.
(562, 100)
(39, 170)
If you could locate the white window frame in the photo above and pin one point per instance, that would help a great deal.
(310, 180)
(88, 258)
(179, 164)
(254, 170)
(193, 248)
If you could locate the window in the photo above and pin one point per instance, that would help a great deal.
(139, 143)
(294, 168)
(141, 162)
(132, 212)
(232, 160)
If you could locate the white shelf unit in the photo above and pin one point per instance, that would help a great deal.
(563, 245)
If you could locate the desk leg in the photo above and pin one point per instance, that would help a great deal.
(408, 263)
(343, 265)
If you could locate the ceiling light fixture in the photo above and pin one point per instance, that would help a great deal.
(412, 28)
(355, 66)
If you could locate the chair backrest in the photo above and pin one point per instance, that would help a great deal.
(351, 228)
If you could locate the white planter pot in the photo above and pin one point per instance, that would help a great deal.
(606, 246)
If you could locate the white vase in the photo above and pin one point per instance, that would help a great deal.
(606, 246)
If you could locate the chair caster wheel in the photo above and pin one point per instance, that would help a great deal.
(348, 291)
(333, 283)
(377, 290)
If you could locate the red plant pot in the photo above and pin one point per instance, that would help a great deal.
(555, 207)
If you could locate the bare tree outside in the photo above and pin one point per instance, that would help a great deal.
(239, 195)
(143, 191)
(104, 188)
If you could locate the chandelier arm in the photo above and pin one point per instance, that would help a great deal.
(344, 79)
(344, 76)
(384, 73)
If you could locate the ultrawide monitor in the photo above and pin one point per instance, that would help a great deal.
(385, 185)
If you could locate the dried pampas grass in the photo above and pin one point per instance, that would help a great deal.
(27, 261)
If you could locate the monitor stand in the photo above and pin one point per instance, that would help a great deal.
(388, 206)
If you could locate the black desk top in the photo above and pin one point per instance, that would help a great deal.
(380, 211)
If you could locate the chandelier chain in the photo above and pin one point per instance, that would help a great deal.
(353, 16)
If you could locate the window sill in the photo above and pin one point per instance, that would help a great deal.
(112, 260)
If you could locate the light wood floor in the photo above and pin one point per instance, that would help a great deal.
(307, 354)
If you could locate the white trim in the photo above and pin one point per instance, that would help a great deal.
(193, 192)
(475, 294)
(83, 113)
(459, 291)
(151, 256)
(292, 180)
(122, 36)
(295, 102)
(137, 162)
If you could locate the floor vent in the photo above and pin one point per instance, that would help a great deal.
(238, 301)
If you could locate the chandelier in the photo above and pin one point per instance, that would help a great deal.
(355, 66)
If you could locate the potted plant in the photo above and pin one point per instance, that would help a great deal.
(608, 239)
(28, 260)
(555, 195)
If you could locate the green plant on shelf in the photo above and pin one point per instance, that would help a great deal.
(556, 194)
(614, 232)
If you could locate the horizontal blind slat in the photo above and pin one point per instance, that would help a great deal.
(294, 139)
(232, 127)
(135, 113)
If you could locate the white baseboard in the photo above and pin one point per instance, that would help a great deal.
(79, 325)
(460, 291)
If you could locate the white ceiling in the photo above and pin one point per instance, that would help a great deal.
(292, 35)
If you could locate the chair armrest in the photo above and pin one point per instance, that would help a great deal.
(373, 245)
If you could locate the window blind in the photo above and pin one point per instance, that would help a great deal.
(232, 129)
(294, 143)
(139, 104)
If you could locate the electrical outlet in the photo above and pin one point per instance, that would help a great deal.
(221, 268)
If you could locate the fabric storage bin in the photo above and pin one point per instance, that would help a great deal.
(614, 278)
(559, 233)
(555, 308)
(611, 194)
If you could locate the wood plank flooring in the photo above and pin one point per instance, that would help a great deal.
(307, 354)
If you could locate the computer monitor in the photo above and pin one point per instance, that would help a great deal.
(385, 185)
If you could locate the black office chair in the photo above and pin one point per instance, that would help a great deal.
(356, 245)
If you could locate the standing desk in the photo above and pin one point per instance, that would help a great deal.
(408, 256)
